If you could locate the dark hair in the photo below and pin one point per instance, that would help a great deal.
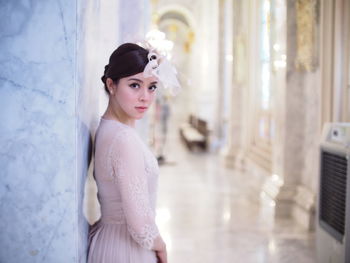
(127, 60)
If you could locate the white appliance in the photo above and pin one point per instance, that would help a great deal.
(333, 213)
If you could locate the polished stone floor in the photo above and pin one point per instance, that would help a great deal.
(210, 214)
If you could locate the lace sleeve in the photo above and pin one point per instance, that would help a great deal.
(130, 172)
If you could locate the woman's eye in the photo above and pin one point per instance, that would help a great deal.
(152, 88)
(134, 85)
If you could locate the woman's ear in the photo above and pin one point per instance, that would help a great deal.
(110, 85)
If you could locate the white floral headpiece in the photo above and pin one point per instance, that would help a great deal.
(160, 67)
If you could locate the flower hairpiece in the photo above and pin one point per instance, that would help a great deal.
(160, 67)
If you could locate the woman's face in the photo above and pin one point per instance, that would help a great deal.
(133, 95)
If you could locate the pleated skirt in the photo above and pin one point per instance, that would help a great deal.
(112, 243)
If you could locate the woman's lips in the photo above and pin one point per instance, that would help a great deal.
(141, 109)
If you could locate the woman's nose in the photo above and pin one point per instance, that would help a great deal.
(144, 96)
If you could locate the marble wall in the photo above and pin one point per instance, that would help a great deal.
(52, 57)
(37, 136)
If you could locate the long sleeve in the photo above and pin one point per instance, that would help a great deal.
(129, 169)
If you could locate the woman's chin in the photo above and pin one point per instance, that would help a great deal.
(139, 116)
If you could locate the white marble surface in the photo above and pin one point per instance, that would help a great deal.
(37, 135)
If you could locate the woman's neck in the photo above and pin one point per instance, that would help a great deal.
(118, 115)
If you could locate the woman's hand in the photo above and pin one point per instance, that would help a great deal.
(160, 248)
(162, 256)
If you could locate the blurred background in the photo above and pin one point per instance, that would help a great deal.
(253, 152)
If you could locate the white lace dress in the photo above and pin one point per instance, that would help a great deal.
(126, 173)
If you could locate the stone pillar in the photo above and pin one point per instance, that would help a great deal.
(225, 72)
(234, 151)
(287, 157)
(38, 86)
(52, 57)
(289, 184)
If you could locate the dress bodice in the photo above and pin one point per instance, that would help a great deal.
(126, 173)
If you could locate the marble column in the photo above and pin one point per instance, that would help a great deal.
(225, 73)
(38, 85)
(52, 56)
(238, 82)
(296, 135)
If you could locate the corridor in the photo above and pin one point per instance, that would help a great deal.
(208, 214)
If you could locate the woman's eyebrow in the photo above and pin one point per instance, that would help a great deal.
(136, 80)
(154, 82)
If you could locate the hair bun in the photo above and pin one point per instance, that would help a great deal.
(106, 69)
(104, 77)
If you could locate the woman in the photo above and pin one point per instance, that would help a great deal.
(125, 170)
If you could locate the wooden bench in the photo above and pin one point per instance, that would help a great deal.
(195, 133)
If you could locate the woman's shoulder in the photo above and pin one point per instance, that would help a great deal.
(119, 133)
(116, 126)
(113, 132)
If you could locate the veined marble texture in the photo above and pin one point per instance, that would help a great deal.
(37, 134)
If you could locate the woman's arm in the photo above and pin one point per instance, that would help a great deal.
(130, 171)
